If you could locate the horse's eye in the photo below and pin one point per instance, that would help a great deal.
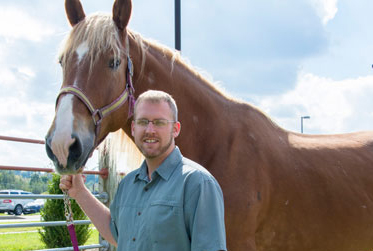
(114, 63)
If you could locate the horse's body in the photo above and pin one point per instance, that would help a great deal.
(283, 191)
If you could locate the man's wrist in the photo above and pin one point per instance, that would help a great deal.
(82, 194)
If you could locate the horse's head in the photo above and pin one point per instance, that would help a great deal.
(96, 85)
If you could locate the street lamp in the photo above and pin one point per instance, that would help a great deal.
(301, 122)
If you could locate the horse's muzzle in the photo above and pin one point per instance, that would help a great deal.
(77, 157)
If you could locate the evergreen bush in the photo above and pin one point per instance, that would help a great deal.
(58, 236)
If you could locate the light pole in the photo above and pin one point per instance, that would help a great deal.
(178, 25)
(301, 122)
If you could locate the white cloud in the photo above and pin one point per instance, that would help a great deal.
(326, 9)
(15, 81)
(25, 119)
(334, 106)
(17, 24)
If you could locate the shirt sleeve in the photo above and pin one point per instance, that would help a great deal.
(114, 230)
(205, 217)
(113, 214)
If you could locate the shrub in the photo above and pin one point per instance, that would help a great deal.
(58, 236)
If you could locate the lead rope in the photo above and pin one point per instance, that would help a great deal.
(69, 220)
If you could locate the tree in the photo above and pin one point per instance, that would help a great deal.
(58, 236)
(34, 183)
(38, 184)
(35, 178)
(8, 180)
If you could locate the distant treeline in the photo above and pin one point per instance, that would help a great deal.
(35, 182)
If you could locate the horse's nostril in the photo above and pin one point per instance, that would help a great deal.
(75, 150)
(49, 149)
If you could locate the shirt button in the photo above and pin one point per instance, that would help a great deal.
(146, 189)
(139, 213)
(133, 239)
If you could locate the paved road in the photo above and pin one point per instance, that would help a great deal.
(18, 218)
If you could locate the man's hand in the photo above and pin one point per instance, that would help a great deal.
(73, 183)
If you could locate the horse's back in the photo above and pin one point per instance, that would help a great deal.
(321, 195)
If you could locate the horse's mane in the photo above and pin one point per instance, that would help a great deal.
(176, 58)
(121, 152)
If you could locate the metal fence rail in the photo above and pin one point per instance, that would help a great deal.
(44, 224)
(102, 196)
(103, 245)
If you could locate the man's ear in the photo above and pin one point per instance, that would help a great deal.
(133, 128)
(176, 129)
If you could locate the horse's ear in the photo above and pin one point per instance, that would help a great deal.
(74, 11)
(121, 13)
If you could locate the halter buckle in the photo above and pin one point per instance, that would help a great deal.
(100, 116)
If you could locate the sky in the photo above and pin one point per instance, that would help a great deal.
(290, 58)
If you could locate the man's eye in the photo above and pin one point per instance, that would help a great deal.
(159, 122)
(142, 122)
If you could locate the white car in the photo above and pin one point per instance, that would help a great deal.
(13, 205)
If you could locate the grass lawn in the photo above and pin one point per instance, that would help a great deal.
(25, 239)
(31, 241)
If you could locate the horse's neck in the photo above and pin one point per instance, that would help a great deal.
(164, 72)
(206, 114)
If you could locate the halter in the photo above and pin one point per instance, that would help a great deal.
(100, 113)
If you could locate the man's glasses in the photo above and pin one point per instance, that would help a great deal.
(156, 122)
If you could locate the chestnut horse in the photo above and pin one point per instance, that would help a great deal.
(283, 191)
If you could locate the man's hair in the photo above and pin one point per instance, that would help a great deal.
(157, 97)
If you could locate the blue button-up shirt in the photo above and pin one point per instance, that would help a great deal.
(180, 209)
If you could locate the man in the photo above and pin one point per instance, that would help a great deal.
(170, 203)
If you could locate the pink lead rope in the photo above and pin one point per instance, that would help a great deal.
(73, 238)
(69, 220)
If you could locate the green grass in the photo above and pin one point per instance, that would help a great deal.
(31, 241)
(26, 240)
(20, 242)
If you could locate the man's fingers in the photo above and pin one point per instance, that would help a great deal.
(65, 181)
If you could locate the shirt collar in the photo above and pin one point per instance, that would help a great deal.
(164, 170)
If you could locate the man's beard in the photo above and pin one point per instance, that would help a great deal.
(159, 152)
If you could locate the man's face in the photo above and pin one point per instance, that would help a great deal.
(155, 141)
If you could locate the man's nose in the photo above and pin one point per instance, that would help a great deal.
(150, 127)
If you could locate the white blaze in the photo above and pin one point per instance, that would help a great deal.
(82, 50)
(62, 139)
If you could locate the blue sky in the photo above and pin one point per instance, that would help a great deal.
(290, 58)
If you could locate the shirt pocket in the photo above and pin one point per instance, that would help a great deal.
(165, 220)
